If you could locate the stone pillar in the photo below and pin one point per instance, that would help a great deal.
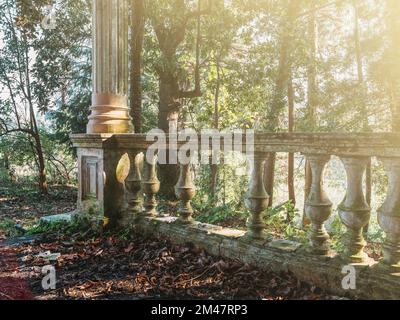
(110, 111)
(256, 199)
(318, 207)
(185, 191)
(389, 216)
(354, 210)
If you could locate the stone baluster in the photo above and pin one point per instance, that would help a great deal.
(133, 186)
(256, 199)
(354, 210)
(185, 191)
(151, 186)
(318, 207)
(389, 216)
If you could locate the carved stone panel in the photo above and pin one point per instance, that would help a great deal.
(90, 177)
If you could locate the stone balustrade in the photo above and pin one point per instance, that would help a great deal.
(118, 178)
(122, 199)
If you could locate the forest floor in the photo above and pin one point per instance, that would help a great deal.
(23, 205)
(114, 266)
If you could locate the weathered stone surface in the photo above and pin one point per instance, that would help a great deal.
(285, 245)
(345, 144)
(64, 217)
(22, 240)
(372, 282)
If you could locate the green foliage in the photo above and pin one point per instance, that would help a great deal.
(126, 233)
(7, 226)
(59, 159)
(209, 213)
(82, 225)
(227, 204)
(336, 231)
(280, 221)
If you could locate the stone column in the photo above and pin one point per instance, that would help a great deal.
(389, 216)
(354, 210)
(318, 207)
(110, 111)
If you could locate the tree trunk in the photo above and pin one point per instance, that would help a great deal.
(393, 10)
(43, 187)
(362, 93)
(170, 36)
(269, 176)
(137, 27)
(292, 196)
(307, 189)
(214, 166)
(168, 122)
(280, 92)
(312, 97)
(6, 161)
(41, 164)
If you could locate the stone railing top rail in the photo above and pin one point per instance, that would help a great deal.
(352, 144)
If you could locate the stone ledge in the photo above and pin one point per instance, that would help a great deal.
(372, 282)
(344, 144)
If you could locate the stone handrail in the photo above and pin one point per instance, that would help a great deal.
(361, 144)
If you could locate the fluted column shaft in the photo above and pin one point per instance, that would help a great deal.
(110, 111)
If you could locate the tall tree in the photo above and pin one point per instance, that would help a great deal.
(393, 68)
(44, 75)
(312, 94)
(214, 166)
(291, 191)
(16, 72)
(362, 94)
(278, 102)
(171, 20)
(137, 32)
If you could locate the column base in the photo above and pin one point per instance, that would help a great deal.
(109, 114)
